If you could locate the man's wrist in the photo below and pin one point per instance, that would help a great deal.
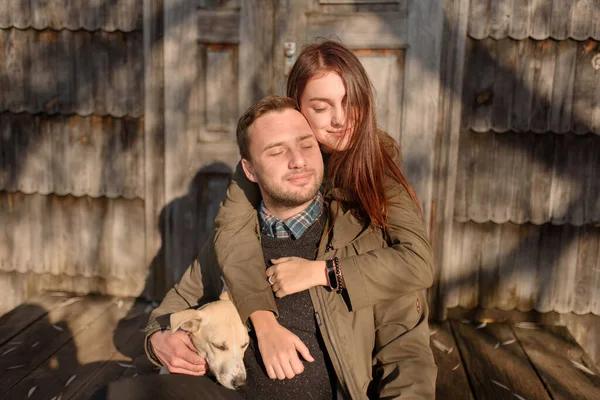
(262, 319)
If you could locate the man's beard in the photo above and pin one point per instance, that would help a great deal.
(291, 199)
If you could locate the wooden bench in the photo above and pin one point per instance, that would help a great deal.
(58, 346)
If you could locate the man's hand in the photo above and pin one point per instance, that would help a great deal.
(293, 274)
(279, 347)
(177, 353)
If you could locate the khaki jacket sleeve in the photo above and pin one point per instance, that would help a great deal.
(200, 284)
(404, 367)
(238, 249)
(403, 267)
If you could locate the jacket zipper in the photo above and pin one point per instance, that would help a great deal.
(346, 380)
(335, 360)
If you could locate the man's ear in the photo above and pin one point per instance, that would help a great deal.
(249, 170)
(188, 320)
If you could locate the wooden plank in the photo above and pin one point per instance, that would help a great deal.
(504, 85)
(256, 51)
(541, 14)
(446, 172)
(78, 360)
(45, 337)
(499, 18)
(553, 351)
(468, 281)
(18, 319)
(584, 90)
(581, 19)
(483, 71)
(587, 269)
(154, 145)
(220, 93)
(543, 156)
(384, 67)
(290, 26)
(562, 91)
(528, 254)
(452, 382)
(521, 19)
(219, 26)
(549, 253)
(510, 273)
(478, 19)
(128, 360)
(359, 1)
(489, 274)
(521, 177)
(561, 20)
(361, 30)
(496, 364)
(524, 75)
(564, 288)
(422, 97)
(544, 59)
(182, 111)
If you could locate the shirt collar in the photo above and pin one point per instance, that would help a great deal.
(294, 226)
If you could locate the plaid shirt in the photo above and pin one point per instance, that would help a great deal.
(294, 226)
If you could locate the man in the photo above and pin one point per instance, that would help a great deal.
(345, 349)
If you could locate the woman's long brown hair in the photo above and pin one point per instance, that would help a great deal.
(358, 171)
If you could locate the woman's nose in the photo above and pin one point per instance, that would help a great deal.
(339, 117)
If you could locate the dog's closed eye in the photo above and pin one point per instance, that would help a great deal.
(222, 346)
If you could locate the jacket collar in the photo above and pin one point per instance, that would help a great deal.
(346, 227)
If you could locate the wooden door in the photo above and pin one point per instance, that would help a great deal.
(399, 44)
(220, 56)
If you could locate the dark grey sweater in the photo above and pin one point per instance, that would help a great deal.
(297, 314)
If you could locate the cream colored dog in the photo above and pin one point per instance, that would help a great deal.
(220, 337)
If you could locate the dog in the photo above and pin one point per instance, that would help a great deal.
(220, 337)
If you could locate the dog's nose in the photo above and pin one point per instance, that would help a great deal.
(238, 382)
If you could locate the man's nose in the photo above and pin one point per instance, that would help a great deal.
(297, 159)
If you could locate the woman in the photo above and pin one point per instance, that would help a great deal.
(336, 97)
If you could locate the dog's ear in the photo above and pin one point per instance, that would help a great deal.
(188, 320)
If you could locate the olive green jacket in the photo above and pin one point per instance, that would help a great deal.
(380, 349)
(370, 277)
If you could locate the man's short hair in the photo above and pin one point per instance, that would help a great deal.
(257, 110)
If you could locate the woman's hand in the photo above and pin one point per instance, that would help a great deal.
(278, 347)
(290, 275)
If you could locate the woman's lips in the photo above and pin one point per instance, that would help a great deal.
(338, 133)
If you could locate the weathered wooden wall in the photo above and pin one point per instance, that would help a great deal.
(71, 148)
(523, 153)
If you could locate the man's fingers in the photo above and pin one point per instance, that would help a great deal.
(302, 349)
(182, 364)
(192, 355)
(271, 372)
(296, 364)
(288, 370)
(175, 370)
(279, 372)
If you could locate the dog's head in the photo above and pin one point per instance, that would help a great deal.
(220, 337)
